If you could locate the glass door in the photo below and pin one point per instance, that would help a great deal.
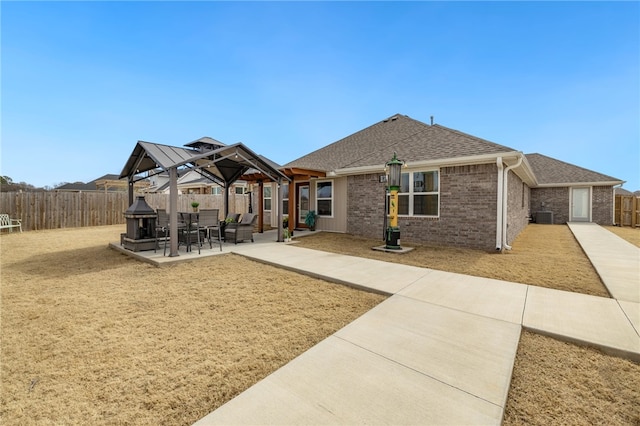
(580, 204)
(303, 203)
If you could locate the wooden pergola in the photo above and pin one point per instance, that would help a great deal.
(223, 165)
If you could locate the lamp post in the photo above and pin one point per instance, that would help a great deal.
(393, 231)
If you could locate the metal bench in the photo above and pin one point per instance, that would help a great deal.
(7, 223)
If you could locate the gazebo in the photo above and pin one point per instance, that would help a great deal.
(223, 164)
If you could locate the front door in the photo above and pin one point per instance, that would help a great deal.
(302, 206)
(580, 204)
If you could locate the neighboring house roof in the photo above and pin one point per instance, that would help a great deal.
(193, 178)
(552, 172)
(94, 184)
(107, 177)
(77, 186)
(413, 141)
(622, 191)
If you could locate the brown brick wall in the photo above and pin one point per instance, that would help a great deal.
(555, 200)
(602, 205)
(365, 205)
(467, 209)
(518, 198)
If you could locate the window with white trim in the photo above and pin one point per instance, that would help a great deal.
(285, 199)
(216, 190)
(419, 194)
(324, 198)
(266, 195)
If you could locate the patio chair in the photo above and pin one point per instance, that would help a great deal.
(231, 218)
(162, 229)
(209, 223)
(242, 230)
(189, 230)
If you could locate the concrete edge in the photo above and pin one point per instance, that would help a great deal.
(513, 364)
(315, 275)
(575, 237)
(609, 350)
(626, 314)
(134, 255)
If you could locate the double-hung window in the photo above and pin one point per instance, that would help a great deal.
(324, 198)
(267, 197)
(419, 194)
(285, 199)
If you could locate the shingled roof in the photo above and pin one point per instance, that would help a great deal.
(413, 140)
(550, 171)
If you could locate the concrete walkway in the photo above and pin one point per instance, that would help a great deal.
(617, 261)
(440, 349)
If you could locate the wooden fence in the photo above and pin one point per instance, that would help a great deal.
(627, 210)
(51, 210)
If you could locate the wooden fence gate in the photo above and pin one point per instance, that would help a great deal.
(627, 211)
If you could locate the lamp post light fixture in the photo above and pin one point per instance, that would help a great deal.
(392, 241)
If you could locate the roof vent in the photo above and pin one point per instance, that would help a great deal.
(432, 120)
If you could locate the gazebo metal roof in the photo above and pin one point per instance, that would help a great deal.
(223, 165)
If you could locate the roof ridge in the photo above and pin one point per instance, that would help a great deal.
(426, 128)
(467, 135)
(396, 143)
(333, 144)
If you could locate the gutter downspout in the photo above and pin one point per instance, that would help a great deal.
(499, 210)
(504, 203)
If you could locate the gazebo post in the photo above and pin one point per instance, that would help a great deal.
(130, 189)
(226, 199)
(261, 205)
(173, 211)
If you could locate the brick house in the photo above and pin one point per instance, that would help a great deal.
(457, 189)
(571, 193)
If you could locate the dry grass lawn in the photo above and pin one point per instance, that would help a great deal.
(557, 383)
(90, 336)
(630, 234)
(542, 255)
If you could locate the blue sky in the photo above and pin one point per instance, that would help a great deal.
(82, 82)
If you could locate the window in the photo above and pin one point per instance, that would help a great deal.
(324, 198)
(216, 190)
(267, 197)
(419, 194)
(241, 190)
(285, 199)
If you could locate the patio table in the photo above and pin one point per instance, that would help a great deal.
(190, 220)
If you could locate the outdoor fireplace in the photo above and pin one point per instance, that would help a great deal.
(141, 226)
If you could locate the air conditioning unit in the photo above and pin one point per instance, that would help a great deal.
(544, 217)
